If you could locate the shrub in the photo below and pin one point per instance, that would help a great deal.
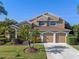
(2, 42)
(18, 55)
(25, 43)
(78, 36)
(2, 57)
(72, 40)
(13, 41)
(8, 43)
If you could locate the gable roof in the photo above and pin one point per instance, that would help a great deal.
(45, 17)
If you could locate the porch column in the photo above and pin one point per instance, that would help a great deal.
(15, 33)
(66, 36)
(54, 37)
(41, 37)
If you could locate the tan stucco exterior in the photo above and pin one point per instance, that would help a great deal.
(54, 34)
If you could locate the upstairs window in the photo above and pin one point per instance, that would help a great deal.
(47, 23)
(50, 23)
(41, 23)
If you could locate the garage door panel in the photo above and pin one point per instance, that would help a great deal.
(48, 37)
(60, 37)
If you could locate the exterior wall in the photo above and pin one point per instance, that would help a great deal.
(60, 26)
(57, 26)
(50, 37)
(49, 18)
(50, 27)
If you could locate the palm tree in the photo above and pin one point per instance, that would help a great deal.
(28, 33)
(35, 35)
(5, 28)
(25, 32)
(2, 9)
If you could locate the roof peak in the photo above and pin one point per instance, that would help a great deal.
(45, 13)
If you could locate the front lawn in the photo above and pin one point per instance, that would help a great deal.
(76, 47)
(16, 52)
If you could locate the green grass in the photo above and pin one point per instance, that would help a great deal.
(76, 46)
(10, 52)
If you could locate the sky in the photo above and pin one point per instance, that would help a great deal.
(23, 10)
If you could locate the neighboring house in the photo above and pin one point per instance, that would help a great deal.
(52, 28)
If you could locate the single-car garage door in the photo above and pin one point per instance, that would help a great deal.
(60, 37)
(48, 37)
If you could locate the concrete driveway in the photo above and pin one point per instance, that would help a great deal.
(60, 51)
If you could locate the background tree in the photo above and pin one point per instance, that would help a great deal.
(2, 9)
(6, 23)
(75, 29)
(67, 25)
(5, 30)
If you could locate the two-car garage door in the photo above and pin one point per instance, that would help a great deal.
(59, 38)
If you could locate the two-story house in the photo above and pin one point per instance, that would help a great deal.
(52, 28)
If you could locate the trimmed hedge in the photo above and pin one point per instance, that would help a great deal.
(72, 40)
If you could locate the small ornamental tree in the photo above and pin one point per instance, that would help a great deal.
(35, 35)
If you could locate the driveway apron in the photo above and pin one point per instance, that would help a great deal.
(60, 51)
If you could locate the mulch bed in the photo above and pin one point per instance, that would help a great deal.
(31, 50)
